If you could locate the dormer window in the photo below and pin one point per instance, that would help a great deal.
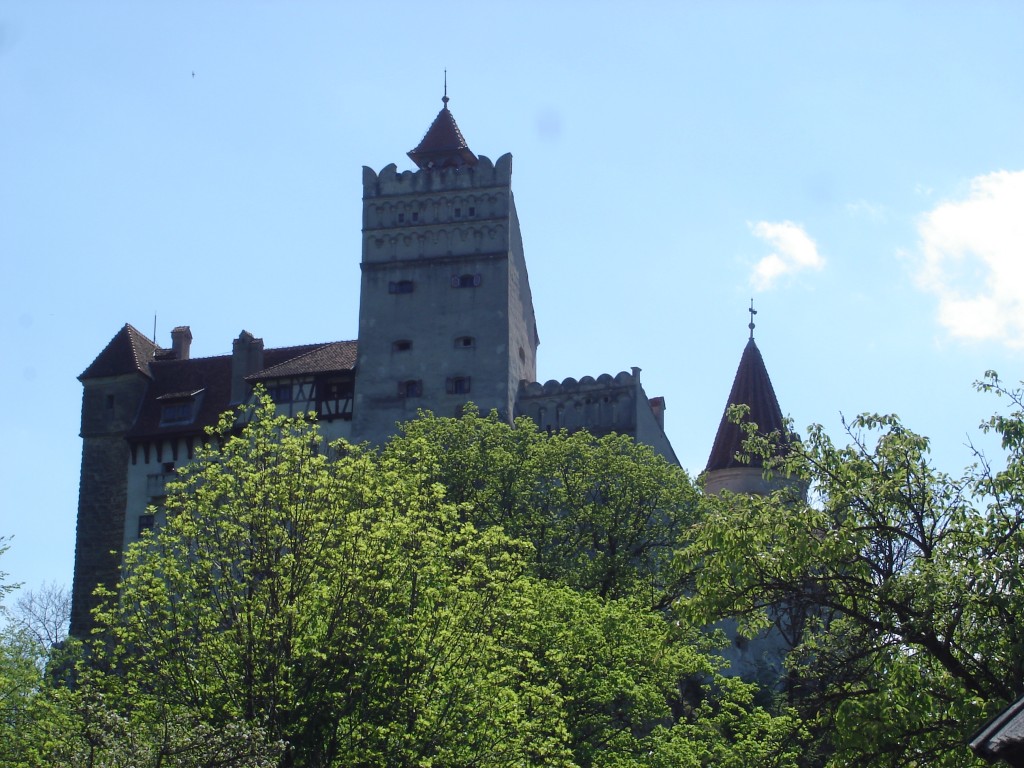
(178, 408)
(176, 413)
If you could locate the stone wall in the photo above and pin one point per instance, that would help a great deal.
(109, 406)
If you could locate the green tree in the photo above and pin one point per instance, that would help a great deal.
(603, 515)
(307, 605)
(341, 604)
(907, 579)
(20, 681)
(20, 675)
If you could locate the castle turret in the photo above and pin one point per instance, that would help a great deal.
(446, 312)
(114, 387)
(751, 387)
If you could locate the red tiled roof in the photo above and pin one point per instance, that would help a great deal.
(443, 146)
(751, 387)
(128, 352)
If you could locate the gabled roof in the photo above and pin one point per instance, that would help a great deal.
(128, 352)
(443, 146)
(329, 358)
(751, 387)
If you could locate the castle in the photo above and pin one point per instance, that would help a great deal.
(445, 317)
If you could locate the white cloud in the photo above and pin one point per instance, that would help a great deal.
(971, 257)
(794, 251)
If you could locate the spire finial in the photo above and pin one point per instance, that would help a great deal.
(445, 97)
(750, 325)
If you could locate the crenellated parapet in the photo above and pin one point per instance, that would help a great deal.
(484, 174)
(437, 212)
(602, 405)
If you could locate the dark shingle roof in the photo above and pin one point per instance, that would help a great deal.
(337, 356)
(443, 146)
(209, 380)
(128, 352)
(1002, 737)
(753, 388)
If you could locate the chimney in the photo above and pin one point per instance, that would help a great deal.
(181, 341)
(658, 409)
(246, 358)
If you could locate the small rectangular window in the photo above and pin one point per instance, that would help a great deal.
(400, 286)
(280, 393)
(145, 524)
(110, 402)
(472, 211)
(401, 218)
(402, 345)
(458, 385)
(458, 213)
(336, 390)
(410, 388)
(465, 342)
(415, 216)
(467, 281)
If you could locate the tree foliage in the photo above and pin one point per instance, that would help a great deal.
(603, 516)
(474, 594)
(906, 579)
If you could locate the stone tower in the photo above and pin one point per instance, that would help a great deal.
(445, 310)
(113, 389)
(751, 387)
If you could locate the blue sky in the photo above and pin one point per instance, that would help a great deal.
(856, 168)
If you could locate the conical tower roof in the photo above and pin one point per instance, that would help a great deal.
(128, 352)
(751, 387)
(443, 146)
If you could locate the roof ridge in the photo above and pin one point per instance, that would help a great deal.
(307, 348)
(263, 373)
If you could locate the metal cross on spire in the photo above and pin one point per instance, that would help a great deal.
(752, 312)
(444, 98)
